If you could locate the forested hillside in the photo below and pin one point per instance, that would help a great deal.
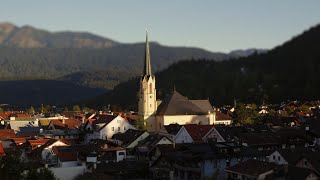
(289, 71)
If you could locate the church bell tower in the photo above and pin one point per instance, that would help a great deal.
(147, 94)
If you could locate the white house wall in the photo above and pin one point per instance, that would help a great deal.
(183, 136)
(112, 128)
(45, 152)
(135, 142)
(276, 157)
(184, 119)
(165, 140)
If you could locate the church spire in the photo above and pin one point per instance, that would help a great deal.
(147, 65)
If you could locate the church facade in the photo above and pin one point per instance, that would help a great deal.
(174, 109)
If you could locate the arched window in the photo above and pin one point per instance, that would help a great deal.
(150, 88)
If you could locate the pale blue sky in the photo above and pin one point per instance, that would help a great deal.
(213, 25)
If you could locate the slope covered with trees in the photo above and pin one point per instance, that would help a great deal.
(289, 71)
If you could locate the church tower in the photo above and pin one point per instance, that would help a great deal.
(147, 94)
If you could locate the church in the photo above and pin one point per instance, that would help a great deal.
(174, 109)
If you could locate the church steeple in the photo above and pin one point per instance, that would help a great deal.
(148, 93)
(147, 65)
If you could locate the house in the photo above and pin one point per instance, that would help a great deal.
(250, 169)
(64, 124)
(47, 152)
(61, 134)
(130, 138)
(146, 145)
(222, 118)
(192, 133)
(213, 136)
(29, 131)
(23, 122)
(105, 127)
(170, 130)
(66, 156)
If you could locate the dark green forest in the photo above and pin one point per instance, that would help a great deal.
(289, 71)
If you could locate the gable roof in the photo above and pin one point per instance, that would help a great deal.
(203, 104)
(252, 167)
(152, 140)
(172, 128)
(197, 132)
(69, 123)
(129, 136)
(65, 153)
(176, 104)
(221, 116)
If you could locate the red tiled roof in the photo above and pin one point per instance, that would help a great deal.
(71, 123)
(197, 132)
(5, 115)
(19, 141)
(7, 134)
(38, 142)
(23, 115)
(65, 153)
(2, 153)
(220, 116)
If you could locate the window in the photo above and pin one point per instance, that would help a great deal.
(121, 153)
(124, 128)
(118, 128)
(150, 88)
(278, 158)
(274, 157)
(118, 121)
(112, 128)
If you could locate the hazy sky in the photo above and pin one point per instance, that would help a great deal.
(213, 25)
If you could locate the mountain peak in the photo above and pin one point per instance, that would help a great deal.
(30, 37)
(7, 27)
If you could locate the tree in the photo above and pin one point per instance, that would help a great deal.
(76, 108)
(31, 110)
(86, 109)
(246, 114)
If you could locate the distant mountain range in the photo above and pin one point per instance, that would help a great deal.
(81, 58)
(289, 71)
(30, 53)
(30, 37)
